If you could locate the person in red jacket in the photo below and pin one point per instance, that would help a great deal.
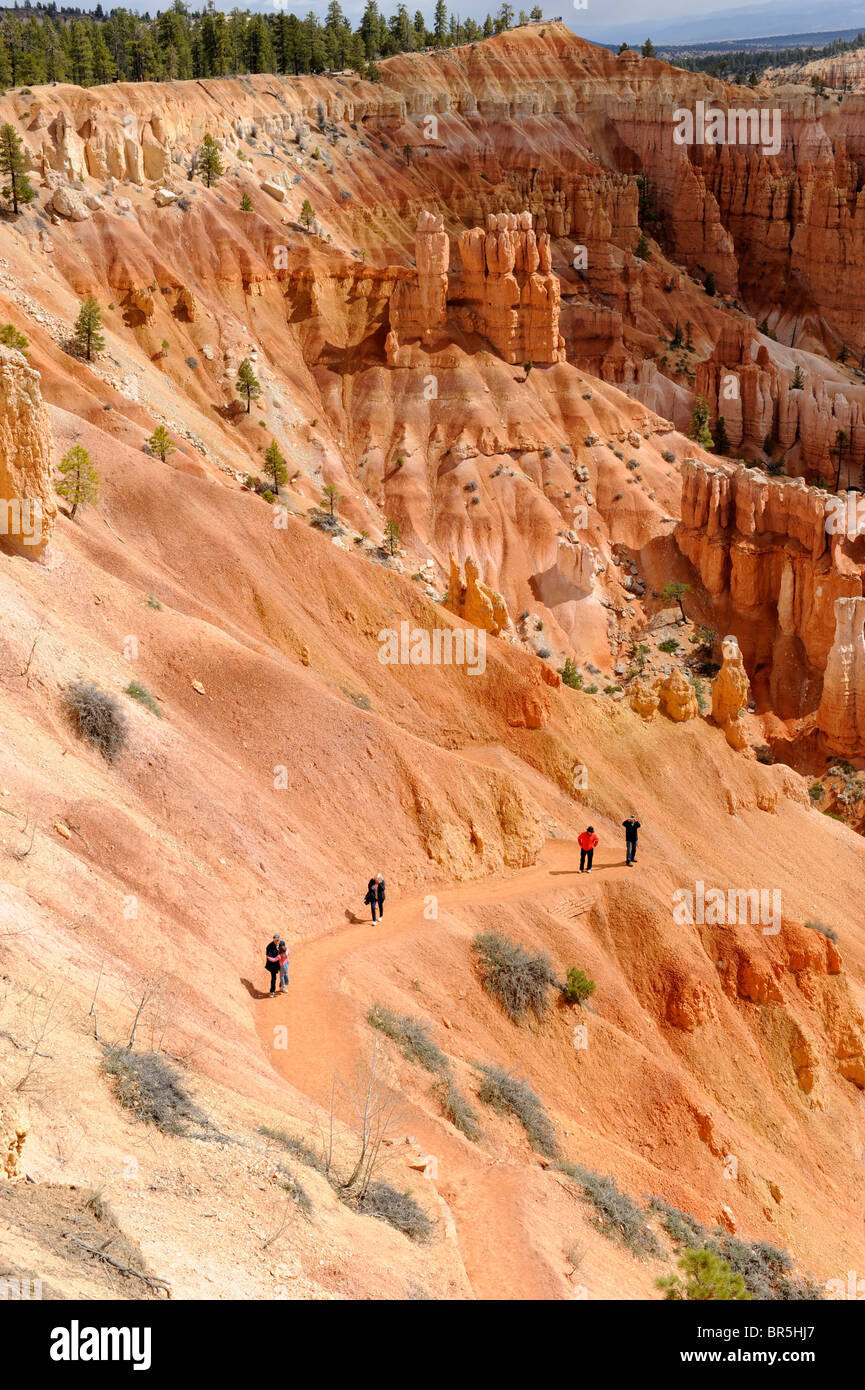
(587, 843)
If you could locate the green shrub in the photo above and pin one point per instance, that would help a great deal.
(98, 718)
(508, 1095)
(570, 675)
(139, 692)
(578, 987)
(669, 645)
(707, 1278)
(518, 979)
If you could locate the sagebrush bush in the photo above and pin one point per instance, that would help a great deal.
(295, 1146)
(145, 1084)
(816, 925)
(399, 1209)
(413, 1037)
(457, 1109)
(98, 717)
(508, 1095)
(517, 978)
(616, 1214)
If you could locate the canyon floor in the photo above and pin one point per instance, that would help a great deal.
(279, 762)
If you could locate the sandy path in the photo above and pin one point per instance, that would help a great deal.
(322, 1018)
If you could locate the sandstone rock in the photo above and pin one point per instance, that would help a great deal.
(508, 292)
(27, 507)
(731, 691)
(643, 697)
(67, 203)
(13, 1132)
(274, 190)
(678, 698)
(163, 197)
(474, 601)
(841, 715)
(419, 304)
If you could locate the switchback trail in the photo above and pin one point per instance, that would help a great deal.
(322, 1020)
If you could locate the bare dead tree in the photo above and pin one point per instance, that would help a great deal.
(374, 1107)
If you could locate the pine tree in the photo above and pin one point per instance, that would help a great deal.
(274, 466)
(330, 496)
(246, 203)
(82, 55)
(709, 284)
(13, 166)
(88, 328)
(648, 49)
(391, 535)
(246, 384)
(79, 484)
(307, 216)
(642, 250)
(700, 424)
(160, 444)
(209, 161)
(722, 441)
(677, 339)
(798, 382)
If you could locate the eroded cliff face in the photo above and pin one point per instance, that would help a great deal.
(773, 568)
(27, 506)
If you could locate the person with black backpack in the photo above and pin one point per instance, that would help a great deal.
(379, 893)
(371, 896)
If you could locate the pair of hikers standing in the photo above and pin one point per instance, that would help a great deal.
(375, 895)
(588, 842)
(276, 959)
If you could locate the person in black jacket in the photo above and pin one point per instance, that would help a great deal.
(371, 896)
(631, 825)
(379, 893)
(271, 961)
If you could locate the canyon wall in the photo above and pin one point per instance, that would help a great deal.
(772, 571)
(27, 506)
(507, 292)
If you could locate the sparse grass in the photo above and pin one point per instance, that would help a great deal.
(288, 1182)
(457, 1109)
(139, 692)
(98, 717)
(816, 925)
(96, 1203)
(412, 1035)
(616, 1214)
(145, 1084)
(518, 979)
(508, 1095)
(153, 603)
(399, 1209)
(295, 1146)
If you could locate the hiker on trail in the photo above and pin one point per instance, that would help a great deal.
(587, 843)
(284, 963)
(271, 961)
(631, 825)
(372, 896)
(379, 893)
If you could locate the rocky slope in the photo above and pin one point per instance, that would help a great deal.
(430, 350)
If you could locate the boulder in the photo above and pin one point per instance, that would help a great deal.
(66, 202)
